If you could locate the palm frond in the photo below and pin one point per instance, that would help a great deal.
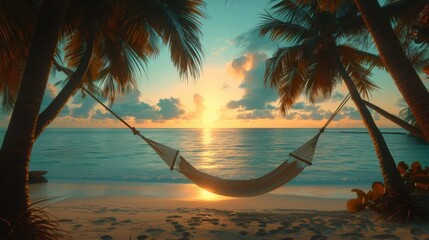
(326, 5)
(178, 23)
(351, 54)
(36, 223)
(280, 30)
(293, 11)
(17, 20)
(403, 12)
(285, 71)
(322, 76)
(408, 116)
(361, 78)
(418, 56)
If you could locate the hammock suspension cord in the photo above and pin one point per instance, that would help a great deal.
(295, 163)
(336, 112)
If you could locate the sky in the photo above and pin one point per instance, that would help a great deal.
(230, 92)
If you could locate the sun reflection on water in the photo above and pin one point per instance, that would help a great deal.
(207, 156)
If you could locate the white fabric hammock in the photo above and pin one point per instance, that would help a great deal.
(290, 168)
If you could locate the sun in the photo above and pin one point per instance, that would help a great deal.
(209, 118)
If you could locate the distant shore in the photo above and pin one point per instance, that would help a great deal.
(184, 211)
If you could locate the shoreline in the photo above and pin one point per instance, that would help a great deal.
(187, 194)
(185, 211)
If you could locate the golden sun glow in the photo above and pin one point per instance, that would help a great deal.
(208, 196)
(209, 118)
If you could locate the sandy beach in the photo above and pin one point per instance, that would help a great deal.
(184, 211)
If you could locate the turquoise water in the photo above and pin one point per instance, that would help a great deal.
(343, 156)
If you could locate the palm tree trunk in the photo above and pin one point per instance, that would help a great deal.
(413, 130)
(391, 176)
(397, 63)
(55, 107)
(19, 138)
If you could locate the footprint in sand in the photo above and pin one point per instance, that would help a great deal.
(386, 236)
(155, 230)
(179, 228)
(352, 235)
(318, 237)
(65, 220)
(101, 221)
(416, 231)
(106, 237)
(142, 237)
(77, 226)
(262, 232)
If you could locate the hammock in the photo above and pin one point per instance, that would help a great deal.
(290, 168)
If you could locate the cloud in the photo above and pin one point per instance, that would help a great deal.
(251, 41)
(84, 108)
(170, 108)
(337, 96)
(315, 112)
(256, 95)
(299, 105)
(49, 95)
(351, 112)
(200, 107)
(303, 111)
(225, 86)
(130, 106)
(354, 114)
(256, 114)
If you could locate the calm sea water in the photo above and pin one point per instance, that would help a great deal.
(343, 156)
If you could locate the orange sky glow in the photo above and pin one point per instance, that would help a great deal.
(229, 93)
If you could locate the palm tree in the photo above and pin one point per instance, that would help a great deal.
(14, 41)
(104, 42)
(391, 52)
(112, 54)
(19, 137)
(98, 44)
(406, 79)
(315, 61)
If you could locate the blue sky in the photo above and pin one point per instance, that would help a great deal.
(230, 91)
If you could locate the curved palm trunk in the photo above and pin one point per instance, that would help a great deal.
(55, 107)
(413, 130)
(19, 138)
(391, 176)
(397, 63)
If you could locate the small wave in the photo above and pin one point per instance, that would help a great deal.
(399, 133)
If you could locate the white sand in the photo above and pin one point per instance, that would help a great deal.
(184, 211)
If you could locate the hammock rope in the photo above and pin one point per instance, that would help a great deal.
(295, 163)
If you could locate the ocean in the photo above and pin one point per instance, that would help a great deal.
(343, 156)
